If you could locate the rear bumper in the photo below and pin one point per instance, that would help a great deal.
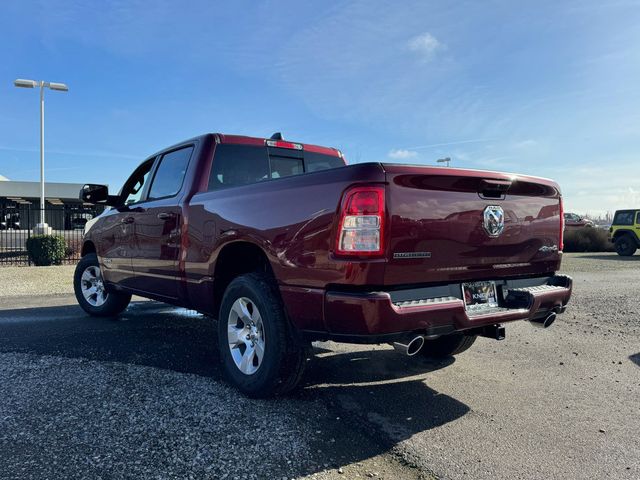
(376, 317)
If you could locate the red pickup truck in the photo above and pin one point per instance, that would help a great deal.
(285, 244)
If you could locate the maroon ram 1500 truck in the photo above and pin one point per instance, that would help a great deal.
(284, 244)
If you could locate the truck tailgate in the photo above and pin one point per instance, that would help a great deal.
(438, 233)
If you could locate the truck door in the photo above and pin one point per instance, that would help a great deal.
(157, 227)
(116, 238)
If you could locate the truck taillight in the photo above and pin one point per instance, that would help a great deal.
(561, 239)
(361, 227)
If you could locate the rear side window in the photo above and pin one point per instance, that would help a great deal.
(168, 178)
(623, 218)
(235, 165)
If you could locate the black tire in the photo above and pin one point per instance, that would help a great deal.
(625, 245)
(114, 303)
(285, 355)
(447, 345)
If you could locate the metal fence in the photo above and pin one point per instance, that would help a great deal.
(17, 224)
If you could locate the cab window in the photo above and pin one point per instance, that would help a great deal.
(170, 173)
(134, 186)
(285, 167)
(235, 165)
(315, 162)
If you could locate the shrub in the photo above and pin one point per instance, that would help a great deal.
(46, 249)
(587, 239)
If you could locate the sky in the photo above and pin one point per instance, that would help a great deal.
(543, 88)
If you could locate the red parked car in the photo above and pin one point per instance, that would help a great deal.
(285, 244)
(573, 220)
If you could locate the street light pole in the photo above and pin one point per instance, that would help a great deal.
(42, 227)
(43, 224)
(446, 160)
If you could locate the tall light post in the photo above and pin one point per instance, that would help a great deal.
(446, 160)
(42, 227)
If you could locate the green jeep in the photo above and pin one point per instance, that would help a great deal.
(625, 231)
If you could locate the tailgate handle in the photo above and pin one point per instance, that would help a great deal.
(494, 188)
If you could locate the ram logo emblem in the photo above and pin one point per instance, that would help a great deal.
(493, 220)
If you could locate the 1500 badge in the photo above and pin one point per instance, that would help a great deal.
(412, 255)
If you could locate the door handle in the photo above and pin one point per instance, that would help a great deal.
(166, 215)
(128, 220)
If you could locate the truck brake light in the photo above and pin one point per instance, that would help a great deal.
(283, 144)
(561, 239)
(361, 227)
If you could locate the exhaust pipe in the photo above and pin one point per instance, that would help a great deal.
(545, 322)
(411, 348)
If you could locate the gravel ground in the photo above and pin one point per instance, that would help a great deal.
(74, 418)
(25, 281)
(112, 419)
(557, 403)
(142, 397)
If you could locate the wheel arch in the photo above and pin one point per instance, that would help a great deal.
(88, 247)
(624, 231)
(235, 259)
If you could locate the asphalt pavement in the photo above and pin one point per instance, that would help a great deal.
(142, 397)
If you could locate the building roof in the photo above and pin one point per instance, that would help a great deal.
(60, 191)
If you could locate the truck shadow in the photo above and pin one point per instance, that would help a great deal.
(147, 333)
(334, 368)
(379, 392)
(384, 390)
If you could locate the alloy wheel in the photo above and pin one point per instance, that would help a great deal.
(245, 335)
(92, 286)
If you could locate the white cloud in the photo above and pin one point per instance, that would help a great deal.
(529, 143)
(425, 44)
(402, 154)
(582, 186)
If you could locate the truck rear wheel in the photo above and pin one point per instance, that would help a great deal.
(91, 292)
(625, 245)
(260, 354)
(447, 345)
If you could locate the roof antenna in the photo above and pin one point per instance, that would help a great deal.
(276, 136)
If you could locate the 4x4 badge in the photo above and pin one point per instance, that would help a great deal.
(493, 222)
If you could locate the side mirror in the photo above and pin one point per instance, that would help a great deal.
(98, 195)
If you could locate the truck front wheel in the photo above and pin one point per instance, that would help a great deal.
(625, 245)
(91, 292)
(260, 353)
(447, 345)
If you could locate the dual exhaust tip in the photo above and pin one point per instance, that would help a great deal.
(414, 345)
(544, 322)
(411, 348)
